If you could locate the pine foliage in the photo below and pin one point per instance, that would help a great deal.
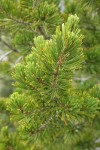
(46, 106)
(55, 60)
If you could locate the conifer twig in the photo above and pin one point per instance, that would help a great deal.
(42, 82)
(41, 127)
(9, 46)
(6, 54)
(18, 21)
(40, 28)
(57, 70)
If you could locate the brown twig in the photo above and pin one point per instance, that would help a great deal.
(57, 70)
(42, 82)
(40, 29)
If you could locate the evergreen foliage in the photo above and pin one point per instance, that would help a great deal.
(47, 106)
(55, 59)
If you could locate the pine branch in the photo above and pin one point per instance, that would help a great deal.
(42, 127)
(40, 28)
(18, 21)
(33, 88)
(9, 46)
(57, 70)
(42, 82)
(15, 20)
(9, 52)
